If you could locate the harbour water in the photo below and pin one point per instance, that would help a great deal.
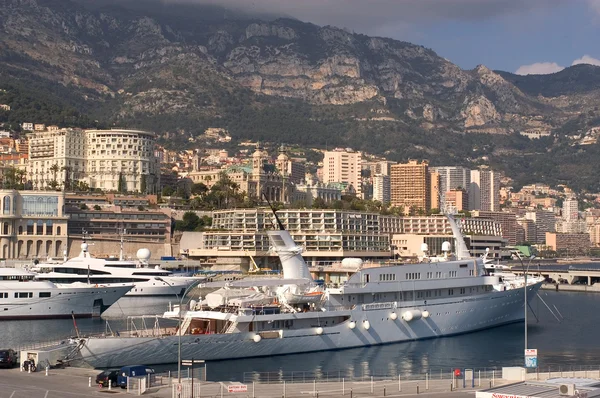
(567, 341)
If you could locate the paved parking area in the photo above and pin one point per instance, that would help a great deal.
(66, 383)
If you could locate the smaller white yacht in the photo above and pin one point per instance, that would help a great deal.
(147, 280)
(23, 297)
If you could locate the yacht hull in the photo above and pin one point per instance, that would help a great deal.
(63, 303)
(448, 317)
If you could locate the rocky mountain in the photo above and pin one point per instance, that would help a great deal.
(181, 69)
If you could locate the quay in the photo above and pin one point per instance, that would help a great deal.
(562, 277)
(79, 382)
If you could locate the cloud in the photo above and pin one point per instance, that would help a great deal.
(586, 59)
(594, 5)
(539, 68)
(545, 68)
(369, 15)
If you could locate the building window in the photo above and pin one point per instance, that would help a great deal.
(30, 227)
(40, 228)
(49, 227)
(6, 205)
(5, 231)
(40, 205)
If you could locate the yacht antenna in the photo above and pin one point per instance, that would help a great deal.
(279, 223)
(83, 233)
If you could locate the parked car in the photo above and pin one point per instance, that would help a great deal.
(132, 371)
(108, 375)
(8, 358)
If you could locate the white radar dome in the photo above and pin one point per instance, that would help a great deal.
(143, 254)
(424, 247)
(446, 247)
(84, 247)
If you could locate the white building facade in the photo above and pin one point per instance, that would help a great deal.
(343, 166)
(105, 159)
(484, 190)
(381, 188)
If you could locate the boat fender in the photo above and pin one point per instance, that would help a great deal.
(319, 330)
(425, 314)
(257, 338)
(393, 316)
(366, 325)
(352, 325)
(411, 314)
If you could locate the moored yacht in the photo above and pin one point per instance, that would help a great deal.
(148, 281)
(23, 297)
(437, 297)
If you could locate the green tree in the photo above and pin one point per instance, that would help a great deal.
(199, 189)
(167, 191)
(97, 207)
(191, 222)
(54, 169)
(143, 184)
(122, 185)
(319, 203)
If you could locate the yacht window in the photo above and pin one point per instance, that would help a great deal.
(450, 292)
(463, 265)
(45, 294)
(4, 295)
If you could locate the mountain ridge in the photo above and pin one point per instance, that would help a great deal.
(282, 80)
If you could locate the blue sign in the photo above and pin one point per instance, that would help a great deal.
(531, 358)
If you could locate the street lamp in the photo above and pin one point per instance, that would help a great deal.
(185, 292)
(525, 271)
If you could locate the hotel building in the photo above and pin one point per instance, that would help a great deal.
(105, 159)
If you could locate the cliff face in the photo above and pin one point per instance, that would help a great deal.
(167, 63)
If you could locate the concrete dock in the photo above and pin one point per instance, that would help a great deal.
(76, 382)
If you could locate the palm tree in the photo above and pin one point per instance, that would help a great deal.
(54, 169)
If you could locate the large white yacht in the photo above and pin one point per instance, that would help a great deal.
(378, 305)
(22, 297)
(148, 281)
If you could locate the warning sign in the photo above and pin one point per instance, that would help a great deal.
(237, 388)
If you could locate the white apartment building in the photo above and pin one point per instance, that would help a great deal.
(128, 154)
(53, 153)
(570, 210)
(98, 157)
(453, 177)
(381, 188)
(343, 166)
(484, 190)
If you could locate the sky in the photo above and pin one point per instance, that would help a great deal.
(519, 36)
